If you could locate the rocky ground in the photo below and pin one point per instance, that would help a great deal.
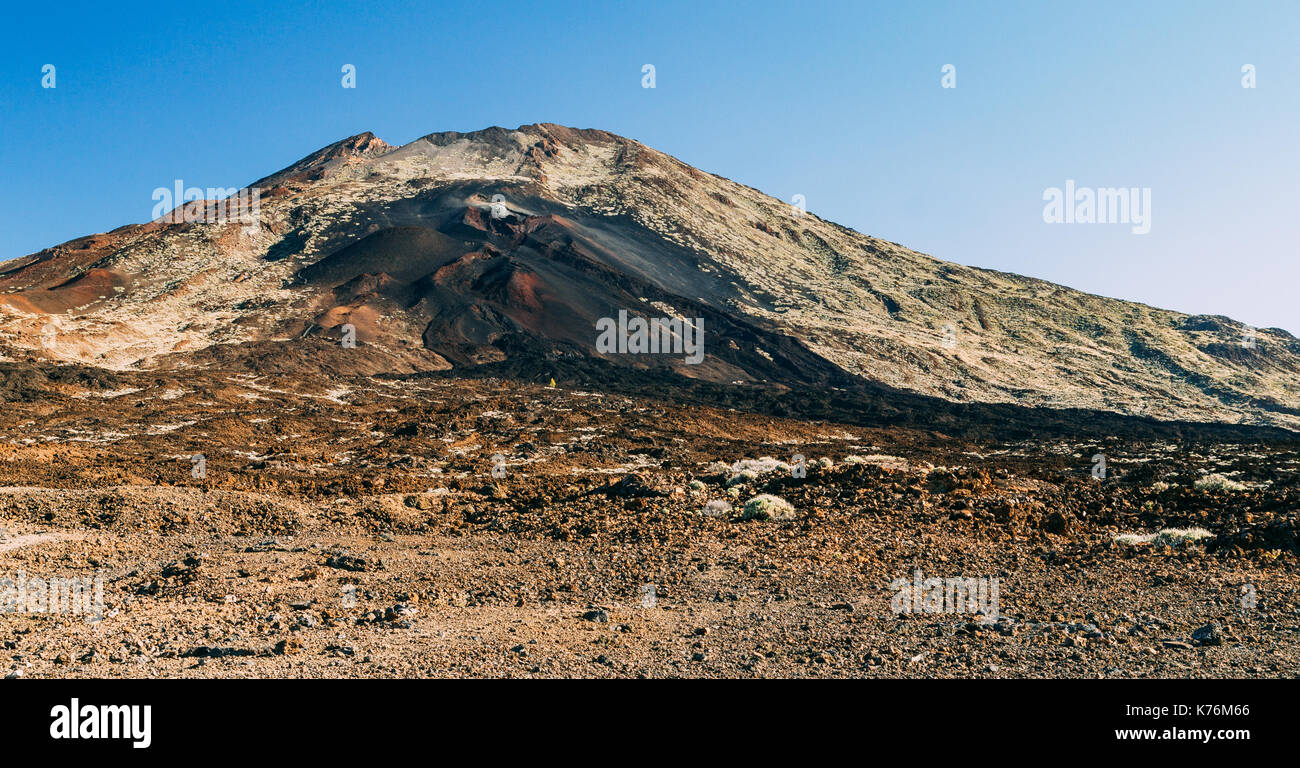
(345, 525)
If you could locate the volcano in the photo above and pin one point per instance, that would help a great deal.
(511, 247)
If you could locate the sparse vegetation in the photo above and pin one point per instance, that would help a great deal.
(1217, 482)
(716, 508)
(1166, 537)
(1178, 537)
(760, 466)
(767, 507)
(742, 477)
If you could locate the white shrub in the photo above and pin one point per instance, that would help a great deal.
(1177, 537)
(759, 466)
(1133, 539)
(1166, 537)
(1218, 482)
(743, 476)
(716, 508)
(767, 507)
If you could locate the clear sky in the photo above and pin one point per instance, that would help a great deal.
(841, 103)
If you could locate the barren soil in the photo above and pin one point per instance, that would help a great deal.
(352, 526)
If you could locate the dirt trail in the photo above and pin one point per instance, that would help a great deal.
(8, 544)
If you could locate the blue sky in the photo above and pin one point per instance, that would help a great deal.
(838, 102)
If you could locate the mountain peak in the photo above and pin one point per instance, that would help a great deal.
(319, 163)
(524, 132)
(470, 248)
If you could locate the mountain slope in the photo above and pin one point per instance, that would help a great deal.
(404, 244)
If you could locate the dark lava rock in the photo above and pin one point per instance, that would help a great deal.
(349, 562)
(1282, 533)
(639, 484)
(1056, 522)
(1210, 634)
